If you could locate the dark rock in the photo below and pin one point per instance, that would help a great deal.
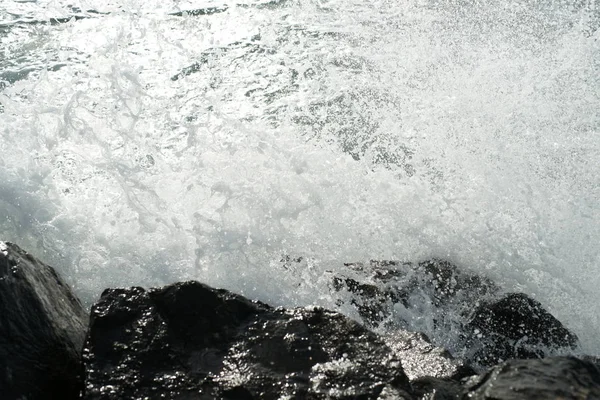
(592, 359)
(431, 388)
(190, 341)
(421, 359)
(381, 285)
(562, 378)
(433, 372)
(515, 326)
(463, 312)
(42, 329)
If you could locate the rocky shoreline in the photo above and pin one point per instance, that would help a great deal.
(190, 341)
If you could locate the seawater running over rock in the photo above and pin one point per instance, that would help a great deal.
(189, 340)
(143, 143)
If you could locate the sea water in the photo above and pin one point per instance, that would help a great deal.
(148, 142)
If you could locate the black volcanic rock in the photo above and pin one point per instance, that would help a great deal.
(515, 326)
(189, 341)
(564, 378)
(42, 329)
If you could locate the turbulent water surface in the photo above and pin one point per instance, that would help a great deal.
(146, 142)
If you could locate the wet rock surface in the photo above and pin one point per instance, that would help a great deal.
(382, 287)
(515, 326)
(430, 388)
(492, 326)
(562, 378)
(188, 340)
(191, 341)
(42, 330)
(421, 359)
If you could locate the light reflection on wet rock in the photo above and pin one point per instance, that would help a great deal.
(188, 339)
(466, 313)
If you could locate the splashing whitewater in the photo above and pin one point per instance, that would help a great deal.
(144, 143)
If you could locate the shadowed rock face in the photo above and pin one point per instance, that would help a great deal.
(42, 329)
(188, 340)
(564, 378)
(515, 326)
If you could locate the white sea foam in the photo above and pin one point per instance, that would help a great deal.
(159, 148)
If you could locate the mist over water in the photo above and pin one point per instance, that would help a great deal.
(141, 146)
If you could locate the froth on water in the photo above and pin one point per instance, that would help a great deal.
(142, 145)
